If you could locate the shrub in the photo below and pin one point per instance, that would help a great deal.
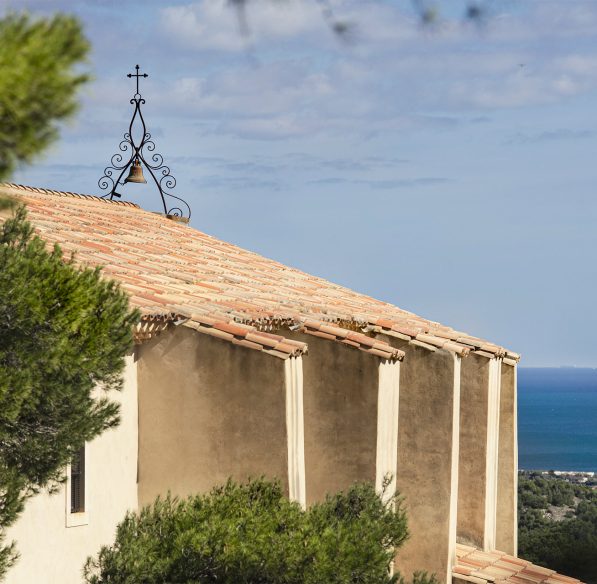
(251, 533)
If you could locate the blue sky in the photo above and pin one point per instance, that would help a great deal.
(451, 171)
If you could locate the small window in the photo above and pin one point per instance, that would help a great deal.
(77, 482)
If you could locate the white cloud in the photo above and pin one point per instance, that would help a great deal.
(548, 80)
(395, 78)
(215, 24)
(392, 75)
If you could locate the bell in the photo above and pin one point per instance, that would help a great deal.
(136, 173)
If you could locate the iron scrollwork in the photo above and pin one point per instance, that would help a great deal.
(144, 154)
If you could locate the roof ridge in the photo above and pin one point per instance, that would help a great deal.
(66, 194)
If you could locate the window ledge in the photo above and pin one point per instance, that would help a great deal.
(77, 519)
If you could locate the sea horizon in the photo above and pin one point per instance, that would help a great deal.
(557, 411)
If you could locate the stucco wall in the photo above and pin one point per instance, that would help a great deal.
(340, 387)
(208, 410)
(427, 464)
(507, 520)
(51, 552)
(474, 393)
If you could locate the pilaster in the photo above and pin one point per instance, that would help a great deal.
(295, 429)
(387, 426)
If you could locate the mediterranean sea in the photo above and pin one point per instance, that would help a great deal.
(557, 419)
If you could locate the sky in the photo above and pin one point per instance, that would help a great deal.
(448, 169)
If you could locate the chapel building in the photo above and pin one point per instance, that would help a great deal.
(246, 367)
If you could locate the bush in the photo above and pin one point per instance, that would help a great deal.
(251, 533)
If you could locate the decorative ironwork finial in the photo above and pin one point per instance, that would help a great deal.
(133, 158)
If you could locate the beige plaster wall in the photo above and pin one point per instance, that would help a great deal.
(208, 410)
(507, 517)
(340, 388)
(427, 471)
(472, 476)
(50, 551)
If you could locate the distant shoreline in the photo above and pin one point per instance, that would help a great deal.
(560, 473)
(558, 367)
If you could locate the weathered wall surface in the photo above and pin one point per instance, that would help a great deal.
(340, 387)
(208, 410)
(50, 551)
(472, 477)
(427, 471)
(507, 519)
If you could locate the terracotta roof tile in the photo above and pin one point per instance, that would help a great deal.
(494, 566)
(562, 578)
(175, 272)
(473, 579)
(352, 339)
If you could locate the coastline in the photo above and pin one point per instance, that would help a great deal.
(580, 477)
(588, 473)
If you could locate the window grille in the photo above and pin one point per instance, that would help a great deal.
(77, 482)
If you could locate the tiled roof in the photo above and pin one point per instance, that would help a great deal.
(351, 338)
(177, 275)
(473, 565)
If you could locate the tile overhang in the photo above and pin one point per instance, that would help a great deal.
(493, 567)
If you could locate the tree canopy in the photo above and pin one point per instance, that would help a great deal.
(251, 533)
(64, 332)
(40, 76)
(557, 525)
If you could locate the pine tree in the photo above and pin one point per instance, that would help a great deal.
(39, 82)
(64, 332)
(251, 533)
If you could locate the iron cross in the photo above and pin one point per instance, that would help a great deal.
(137, 75)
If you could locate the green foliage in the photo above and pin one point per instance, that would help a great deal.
(63, 332)
(39, 81)
(251, 533)
(568, 545)
(423, 578)
(7, 203)
(537, 492)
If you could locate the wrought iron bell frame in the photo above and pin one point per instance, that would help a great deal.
(131, 151)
